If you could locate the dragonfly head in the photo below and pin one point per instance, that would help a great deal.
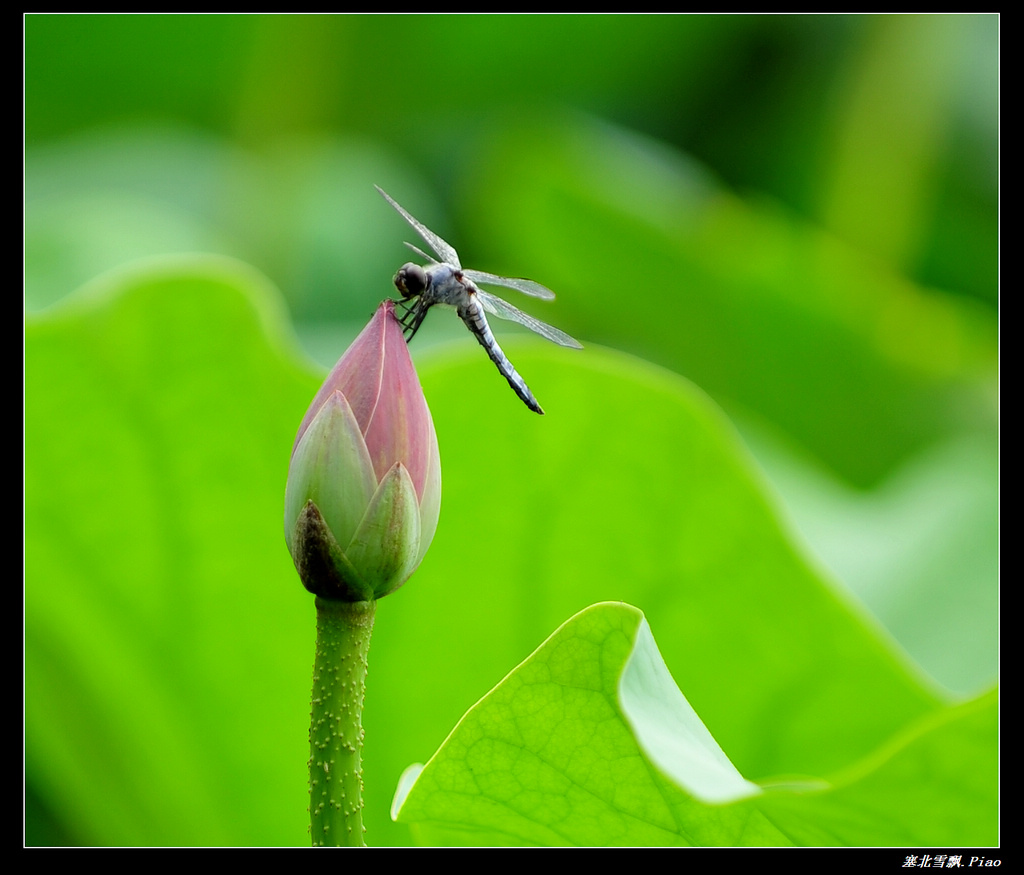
(411, 280)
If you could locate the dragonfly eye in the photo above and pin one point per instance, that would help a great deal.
(410, 280)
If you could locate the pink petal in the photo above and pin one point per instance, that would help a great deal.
(377, 378)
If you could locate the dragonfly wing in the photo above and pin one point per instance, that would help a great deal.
(527, 287)
(444, 251)
(422, 254)
(504, 310)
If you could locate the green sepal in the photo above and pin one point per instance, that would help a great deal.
(386, 546)
(331, 467)
(322, 565)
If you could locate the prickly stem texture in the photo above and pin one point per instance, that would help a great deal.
(336, 722)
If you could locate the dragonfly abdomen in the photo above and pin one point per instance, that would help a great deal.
(472, 314)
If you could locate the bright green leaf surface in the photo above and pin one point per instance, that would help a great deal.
(169, 641)
(160, 706)
(550, 758)
(589, 742)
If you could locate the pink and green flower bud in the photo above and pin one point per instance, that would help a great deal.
(364, 483)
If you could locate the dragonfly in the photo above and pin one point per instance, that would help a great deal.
(445, 281)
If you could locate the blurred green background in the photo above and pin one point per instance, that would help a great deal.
(797, 213)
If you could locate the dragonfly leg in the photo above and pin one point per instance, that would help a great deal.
(411, 318)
